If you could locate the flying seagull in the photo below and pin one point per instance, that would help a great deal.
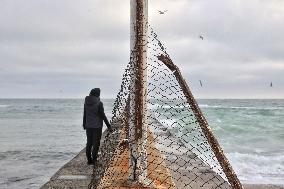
(201, 37)
(162, 12)
(271, 85)
(200, 83)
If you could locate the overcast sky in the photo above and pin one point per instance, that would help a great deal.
(63, 48)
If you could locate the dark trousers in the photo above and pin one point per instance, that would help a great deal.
(93, 143)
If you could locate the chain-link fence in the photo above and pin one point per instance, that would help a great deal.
(178, 149)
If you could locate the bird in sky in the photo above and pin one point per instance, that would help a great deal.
(271, 85)
(162, 12)
(200, 83)
(201, 37)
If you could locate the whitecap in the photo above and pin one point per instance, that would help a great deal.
(153, 106)
(162, 106)
(258, 168)
(168, 123)
(219, 120)
(209, 106)
(255, 108)
(241, 107)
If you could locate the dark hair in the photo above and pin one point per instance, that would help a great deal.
(95, 92)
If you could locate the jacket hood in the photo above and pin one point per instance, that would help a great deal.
(95, 92)
(89, 100)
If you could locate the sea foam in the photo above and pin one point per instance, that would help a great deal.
(259, 168)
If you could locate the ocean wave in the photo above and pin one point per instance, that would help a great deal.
(168, 123)
(153, 106)
(254, 166)
(258, 168)
(19, 179)
(256, 108)
(157, 106)
(34, 155)
(206, 106)
(240, 107)
(209, 106)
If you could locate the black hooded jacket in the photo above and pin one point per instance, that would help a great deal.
(94, 114)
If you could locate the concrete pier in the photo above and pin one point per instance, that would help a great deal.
(76, 174)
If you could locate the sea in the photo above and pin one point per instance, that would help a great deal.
(38, 136)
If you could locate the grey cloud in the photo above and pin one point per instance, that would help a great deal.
(237, 29)
(48, 45)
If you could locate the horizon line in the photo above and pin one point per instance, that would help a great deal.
(60, 98)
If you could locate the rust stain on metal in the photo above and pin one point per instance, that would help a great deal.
(139, 88)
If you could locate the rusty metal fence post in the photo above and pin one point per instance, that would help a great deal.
(138, 126)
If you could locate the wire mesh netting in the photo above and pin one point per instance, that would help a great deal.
(176, 148)
(161, 138)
